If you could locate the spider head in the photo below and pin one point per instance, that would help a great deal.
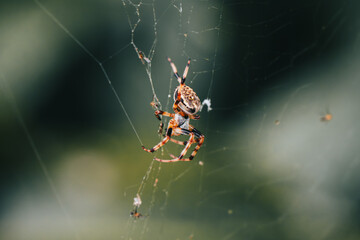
(189, 102)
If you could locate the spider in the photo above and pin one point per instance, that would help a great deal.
(186, 105)
(136, 214)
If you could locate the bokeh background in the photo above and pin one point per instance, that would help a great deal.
(71, 157)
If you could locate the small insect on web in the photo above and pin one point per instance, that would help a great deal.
(142, 57)
(137, 203)
(186, 105)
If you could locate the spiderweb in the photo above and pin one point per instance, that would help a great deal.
(76, 83)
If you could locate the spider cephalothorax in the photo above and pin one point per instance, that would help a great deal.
(186, 105)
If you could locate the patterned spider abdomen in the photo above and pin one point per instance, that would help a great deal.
(190, 103)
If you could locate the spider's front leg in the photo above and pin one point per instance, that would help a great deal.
(160, 112)
(166, 114)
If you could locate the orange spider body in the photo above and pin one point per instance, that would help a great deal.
(186, 105)
(136, 214)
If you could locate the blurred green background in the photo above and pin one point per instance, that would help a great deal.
(71, 159)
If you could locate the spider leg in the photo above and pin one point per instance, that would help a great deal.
(161, 127)
(166, 114)
(175, 71)
(162, 143)
(178, 142)
(199, 138)
(188, 144)
(160, 112)
(183, 152)
(182, 142)
(171, 160)
(186, 71)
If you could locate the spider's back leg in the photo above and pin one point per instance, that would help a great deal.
(164, 141)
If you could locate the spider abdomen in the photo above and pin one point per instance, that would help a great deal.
(190, 103)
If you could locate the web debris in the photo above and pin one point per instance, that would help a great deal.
(206, 102)
(137, 201)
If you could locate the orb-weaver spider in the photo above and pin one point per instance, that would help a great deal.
(186, 105)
